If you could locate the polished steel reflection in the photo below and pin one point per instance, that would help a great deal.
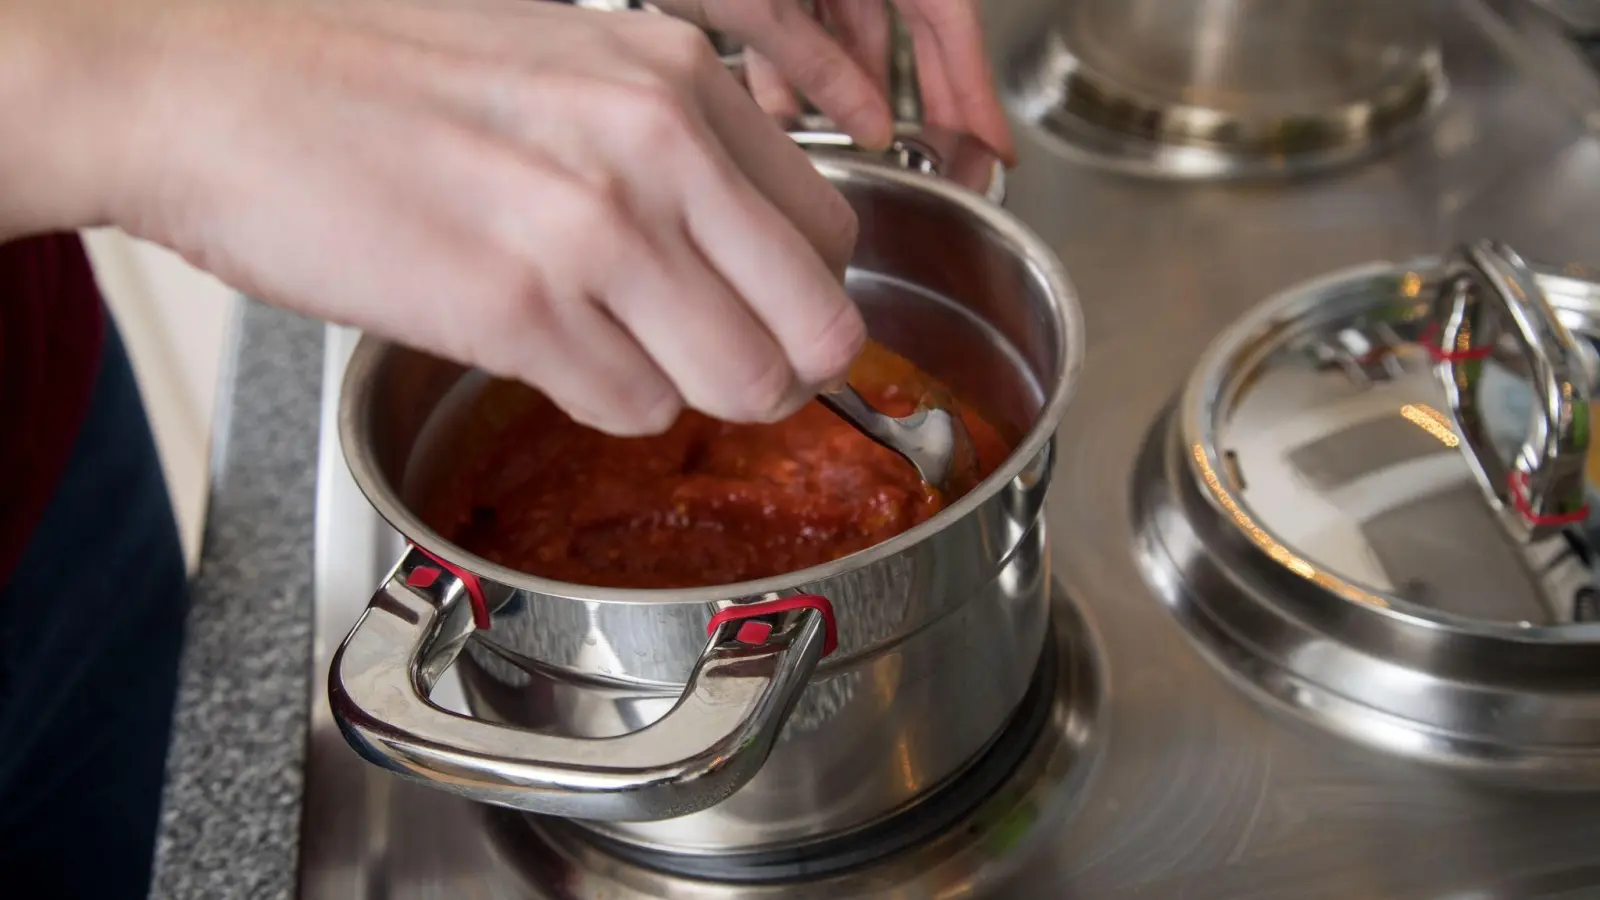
(1574, 292)
(939, 629)
(1229, 88)
(933, 439)
(555, 861)
(1489, 290)
(711, 741)
(1201, 792)
(1385, 585)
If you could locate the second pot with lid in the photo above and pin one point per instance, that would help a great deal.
(1369, 502)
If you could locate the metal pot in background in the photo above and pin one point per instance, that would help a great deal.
(1229, 88)
(615, 706)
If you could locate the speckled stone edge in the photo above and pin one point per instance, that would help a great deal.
(231, 813)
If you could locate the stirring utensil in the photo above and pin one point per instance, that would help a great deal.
(933, 438)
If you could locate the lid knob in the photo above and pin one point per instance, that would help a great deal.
(1487, 291)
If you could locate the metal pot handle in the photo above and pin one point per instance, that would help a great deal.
(1486, 287)
(928, 149)
(756, 663)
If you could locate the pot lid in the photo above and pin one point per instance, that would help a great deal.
(1413, 438)
(1369, 504)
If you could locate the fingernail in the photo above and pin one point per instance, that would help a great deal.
(835, 385)
(791, 405)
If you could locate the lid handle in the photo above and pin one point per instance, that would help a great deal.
(1487, 289)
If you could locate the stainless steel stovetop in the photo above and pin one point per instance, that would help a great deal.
(1186, 785)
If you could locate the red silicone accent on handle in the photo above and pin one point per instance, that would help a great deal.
(1440, 354)
(480, 606)
(423, 577)
(830, 640)
(754, 631)
(1518, 481)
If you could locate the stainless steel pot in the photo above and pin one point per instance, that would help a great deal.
(755, 715)
(1264, 75)
(1224, 89)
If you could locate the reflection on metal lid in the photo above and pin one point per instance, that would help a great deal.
(1361, 501)
(1351, 474)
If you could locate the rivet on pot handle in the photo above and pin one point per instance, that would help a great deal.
(756, 664)
(1487, 287)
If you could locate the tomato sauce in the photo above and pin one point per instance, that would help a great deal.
(706, 503)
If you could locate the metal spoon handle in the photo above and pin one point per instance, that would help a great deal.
(853, 408)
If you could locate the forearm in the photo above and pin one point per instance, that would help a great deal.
(65, 85)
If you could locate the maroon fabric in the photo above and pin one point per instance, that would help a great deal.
(52, 321)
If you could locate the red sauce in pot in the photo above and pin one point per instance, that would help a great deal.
(706, 503)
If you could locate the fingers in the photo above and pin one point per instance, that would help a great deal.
(863, 28)
(727, 290)
(809, 58)
(767, 86)
(631, 242)
(774, 231)
(587, 364)
(663, 222)
(953, 67)
(613, 311)
(524, 240)
(771, 228)
(939, 104)
(721, 358)
(780, 171)
(765, 260)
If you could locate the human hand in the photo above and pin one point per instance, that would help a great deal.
(584, 201)
(847, 76)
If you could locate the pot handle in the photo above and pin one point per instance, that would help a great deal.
(756, 663)
(927, 149)
(1487, 287)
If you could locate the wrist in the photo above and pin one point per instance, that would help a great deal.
(66, 87)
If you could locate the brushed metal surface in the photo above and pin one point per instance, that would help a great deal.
(1203, 793)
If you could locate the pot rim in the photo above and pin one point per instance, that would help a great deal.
(1040, 260)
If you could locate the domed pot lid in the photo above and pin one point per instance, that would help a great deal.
(1371, 498)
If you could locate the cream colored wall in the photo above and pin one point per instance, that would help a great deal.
(177, 323)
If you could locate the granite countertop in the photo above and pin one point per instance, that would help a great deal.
(230, 822)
